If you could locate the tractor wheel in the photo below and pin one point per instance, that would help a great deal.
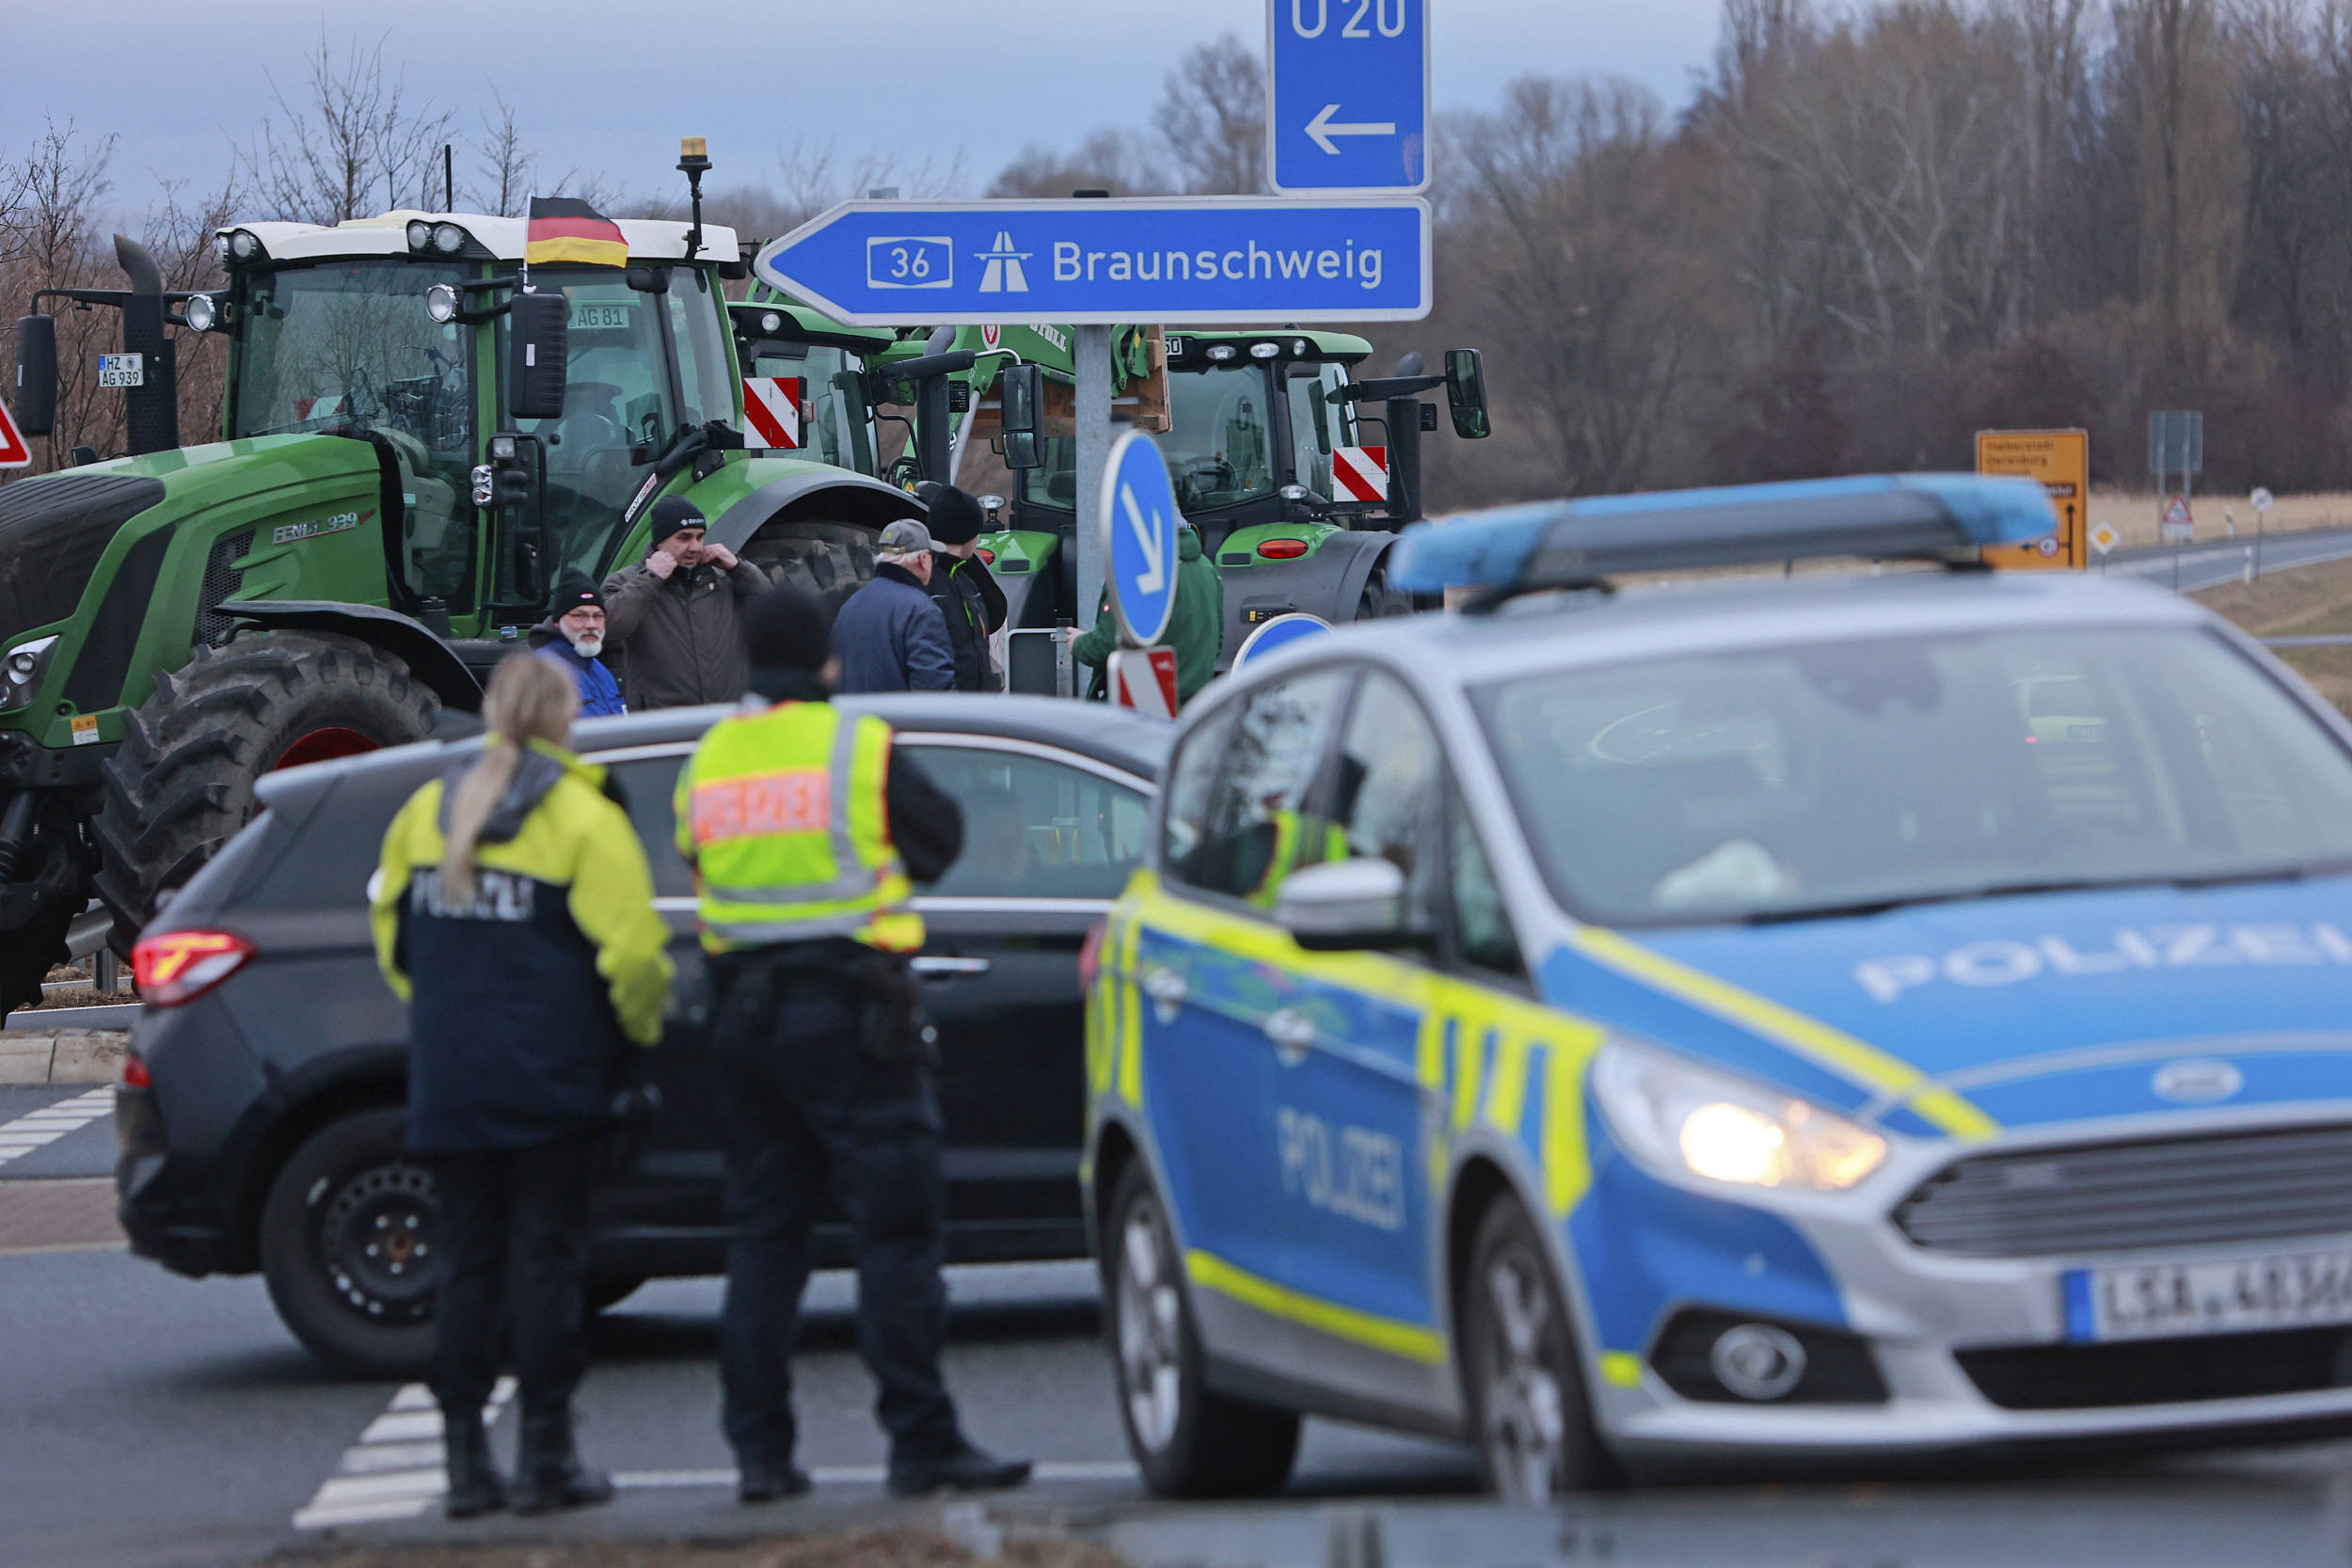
(182, 784)
(1379, 601)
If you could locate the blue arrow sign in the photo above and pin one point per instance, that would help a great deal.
(1347, 95)
(1139, 523)
(1198, 260)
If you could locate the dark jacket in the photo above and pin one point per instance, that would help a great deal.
(681, 637)
(599, 693)
(1196, 630)
(890, 637)
(967, 595)
(521, 1002)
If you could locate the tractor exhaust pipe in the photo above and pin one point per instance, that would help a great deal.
(151, 408)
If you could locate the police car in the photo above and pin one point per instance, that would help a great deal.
(1864, 1013)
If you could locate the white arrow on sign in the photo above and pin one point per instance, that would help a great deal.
(1149, 536)
(1320, 130)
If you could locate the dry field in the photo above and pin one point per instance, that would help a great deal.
(2134, 515)
(2307, 602)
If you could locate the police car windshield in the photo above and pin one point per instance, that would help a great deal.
(1840, 777)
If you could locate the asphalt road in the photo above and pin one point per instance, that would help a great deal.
(2212, 564)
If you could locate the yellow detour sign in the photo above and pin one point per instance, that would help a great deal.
(2060, 459)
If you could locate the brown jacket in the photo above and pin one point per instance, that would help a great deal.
(681, 637)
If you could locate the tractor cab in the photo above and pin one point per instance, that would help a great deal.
(794, 358)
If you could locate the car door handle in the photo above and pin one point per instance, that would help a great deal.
(935, 964)
(1290, 1029)
(1165, 985)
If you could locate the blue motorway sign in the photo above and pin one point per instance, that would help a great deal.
(1224, 259)
(1139, 522)
(1347, 95)
(1279, 633)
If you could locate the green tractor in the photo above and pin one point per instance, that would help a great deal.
(401, 478)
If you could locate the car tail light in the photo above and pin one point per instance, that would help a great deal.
(134, 1075)
(181, 966)
(1283, 550)
(1091, 954)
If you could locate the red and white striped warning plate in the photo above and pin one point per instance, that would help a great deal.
(317, 408)
(771, 411)
(1360, 473)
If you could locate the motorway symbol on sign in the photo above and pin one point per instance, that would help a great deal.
(2103, 538)
(1359, 473)
(1347, 95)
(1139, 522)
(1278, 633)
(771, 411)
(2060, 459)
(14, 453)
(1227, 260)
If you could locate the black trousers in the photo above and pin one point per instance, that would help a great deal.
(809, 1113)
(513, 1255)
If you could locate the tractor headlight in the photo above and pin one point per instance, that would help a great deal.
(771, 322)
(21, 670)
(1678, 1115)
(1264, 351)
(220, 248)
(420, 233)
(448, 238)
(1220, 353)
(244, 244)
(200, 313)
(440, 302)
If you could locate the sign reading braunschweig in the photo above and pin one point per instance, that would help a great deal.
(2060, 459)
(1232, 261)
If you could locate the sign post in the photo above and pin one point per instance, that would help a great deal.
(1347, 95)
(2060, 459)
(2262, 501)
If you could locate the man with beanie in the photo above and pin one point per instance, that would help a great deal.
(678, 615)
(961, 585)
(571, 637)
(805, 827)
(889, 635)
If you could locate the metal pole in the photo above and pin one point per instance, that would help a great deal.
(2258, 542)
(1092, 349)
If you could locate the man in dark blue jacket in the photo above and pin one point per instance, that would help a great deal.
(890, 636)
(571, 637)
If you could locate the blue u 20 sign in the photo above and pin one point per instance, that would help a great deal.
(1139, 522)
(1347, 95)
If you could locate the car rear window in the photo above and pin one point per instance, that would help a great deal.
(336, 850)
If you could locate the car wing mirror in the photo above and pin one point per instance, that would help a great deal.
(538, 342)
(1345, 906)
(1466, 394)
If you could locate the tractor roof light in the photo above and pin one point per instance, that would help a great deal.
(420, 233)
(220, 248)
(440, 303)
(448, 238)
(771, 322)
(1220, 353)
(245, 246)
(1264, 351)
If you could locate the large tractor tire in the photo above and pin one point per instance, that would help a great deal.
(181, 783)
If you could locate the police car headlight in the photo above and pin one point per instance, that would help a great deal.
(1677, 1114)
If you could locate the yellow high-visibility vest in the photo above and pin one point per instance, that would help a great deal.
(782, 813)
(1295, 846)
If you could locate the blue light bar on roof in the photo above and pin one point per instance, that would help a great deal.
(1932, 516)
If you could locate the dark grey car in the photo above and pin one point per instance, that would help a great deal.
(262, 1121)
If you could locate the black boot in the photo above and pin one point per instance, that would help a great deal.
(967, 1469)
(549, 1475)
(475, 1485)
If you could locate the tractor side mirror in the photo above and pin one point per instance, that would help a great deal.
(36, 373)
(1021, 389)
(538, 338)
(1466, 394)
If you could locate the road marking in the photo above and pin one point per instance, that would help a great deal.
(872, 1475)
(396, 1469)
(38, 1128)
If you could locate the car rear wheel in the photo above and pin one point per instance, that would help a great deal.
(348, 1239)
(1522, 1380)
(1190, 1442)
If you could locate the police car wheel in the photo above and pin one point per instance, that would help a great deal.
(1188, 1441)
(347, 1243)
(1523, 1381)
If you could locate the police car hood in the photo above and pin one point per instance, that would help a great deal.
(1963, 1017)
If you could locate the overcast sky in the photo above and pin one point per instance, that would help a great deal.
(612, 84)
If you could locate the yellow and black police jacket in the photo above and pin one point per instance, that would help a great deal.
(521, 999)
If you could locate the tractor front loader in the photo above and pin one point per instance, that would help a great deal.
(402, 475)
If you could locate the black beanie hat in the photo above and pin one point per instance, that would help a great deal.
(954, 518)
(573, 590)
(786, 629)
(673, 513)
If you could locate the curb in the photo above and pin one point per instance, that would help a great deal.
(66, 1056)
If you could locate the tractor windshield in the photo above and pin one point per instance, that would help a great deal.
(836, 427)
(1219, 446)
(347, 345)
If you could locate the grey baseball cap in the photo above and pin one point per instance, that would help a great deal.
(903, 538)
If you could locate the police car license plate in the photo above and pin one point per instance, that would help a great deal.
(2152, 1301)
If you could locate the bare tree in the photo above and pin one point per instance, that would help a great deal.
(1212, 119)
(1113, 161)
(503, 166)
(353, 141)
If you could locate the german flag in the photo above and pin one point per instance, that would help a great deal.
(565, 228)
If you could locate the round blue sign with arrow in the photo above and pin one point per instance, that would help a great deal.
(1139, 522)
(1280, 633)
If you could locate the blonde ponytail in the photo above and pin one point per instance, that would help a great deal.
(530, 699)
